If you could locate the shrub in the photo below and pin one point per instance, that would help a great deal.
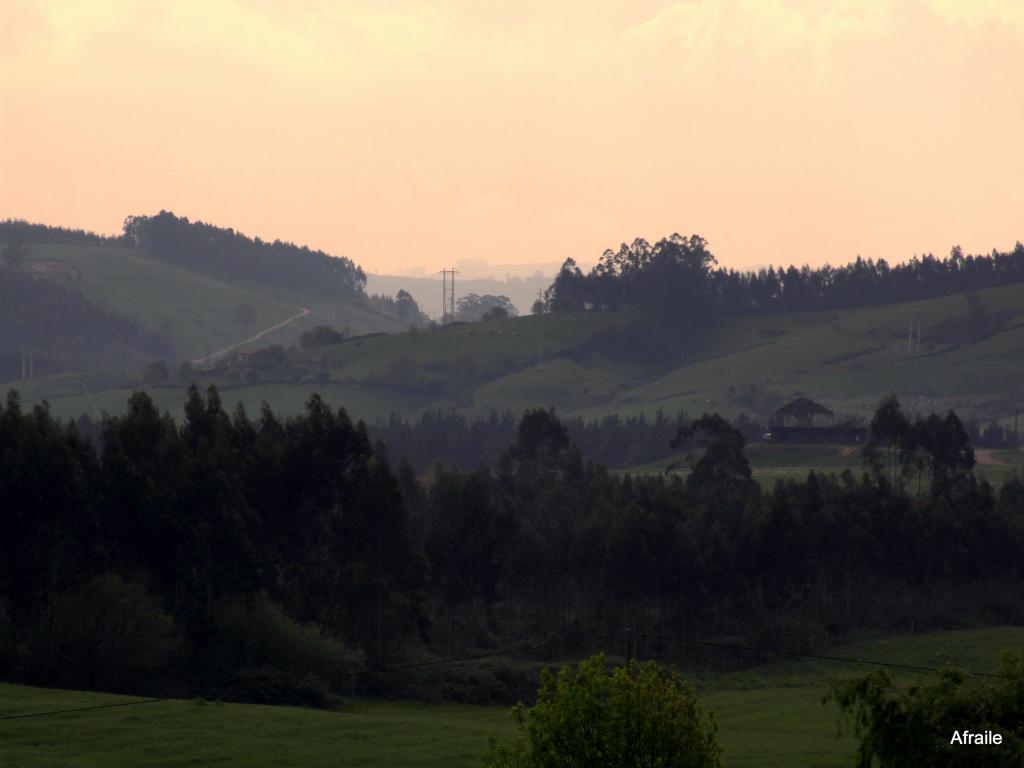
(914, 726)
(262, 654)
(637, 715)
(107, 634)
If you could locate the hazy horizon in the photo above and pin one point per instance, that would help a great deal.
(410, 136)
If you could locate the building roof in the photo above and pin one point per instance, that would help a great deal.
(803, 407)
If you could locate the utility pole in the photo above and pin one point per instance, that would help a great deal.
(444, 296)
(629, 642)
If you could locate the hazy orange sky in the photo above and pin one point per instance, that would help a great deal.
(420, 133)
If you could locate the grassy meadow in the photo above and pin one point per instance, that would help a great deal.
(769, 714)
(196, 311)
(770, 462)
(845, 359)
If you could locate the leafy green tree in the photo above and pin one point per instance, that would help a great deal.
(540, 435)
(586, 717)
(322, 336)
(473, 308)
(914, 726)
(891, 427)
(406, 308)
(947, 444)
(495, 313)
(722, 473)
(109, 634)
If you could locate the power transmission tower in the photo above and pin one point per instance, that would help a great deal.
(447, 296)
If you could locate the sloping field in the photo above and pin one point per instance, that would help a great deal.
(849, 359)
(768, 715)
(846, 359)
(200, 314)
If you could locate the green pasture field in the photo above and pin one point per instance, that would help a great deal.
(197, 312)
(847, 360)
(769, 714)
(770, 462)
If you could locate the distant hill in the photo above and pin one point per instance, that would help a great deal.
(193, 309)
(932, 353)
(233, 256)
(962, 350)
(46, 327)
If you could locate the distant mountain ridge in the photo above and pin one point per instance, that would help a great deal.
(166, 289)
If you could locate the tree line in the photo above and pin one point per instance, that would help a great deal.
(680, 270)
(19, 230)
(615, 441)
(448, 437)
(224, 252)
(254, 552)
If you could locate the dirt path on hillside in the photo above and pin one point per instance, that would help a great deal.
(303, 312)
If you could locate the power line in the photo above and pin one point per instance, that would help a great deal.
(81, 709)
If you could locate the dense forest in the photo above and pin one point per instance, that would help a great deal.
(680, 270)
(245, 555)
(63, 331)
(227, 253)
(17, 230)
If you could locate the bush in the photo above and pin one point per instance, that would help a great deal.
(273, 686)
(912, 726)
(108, 634)
(323, 336)
(261, 654)
(637, 715)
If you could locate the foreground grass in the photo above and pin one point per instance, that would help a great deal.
(769, 715)
(189, 733)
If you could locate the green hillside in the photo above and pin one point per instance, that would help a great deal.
(200, 314)
(768, 715)
(750, 363)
